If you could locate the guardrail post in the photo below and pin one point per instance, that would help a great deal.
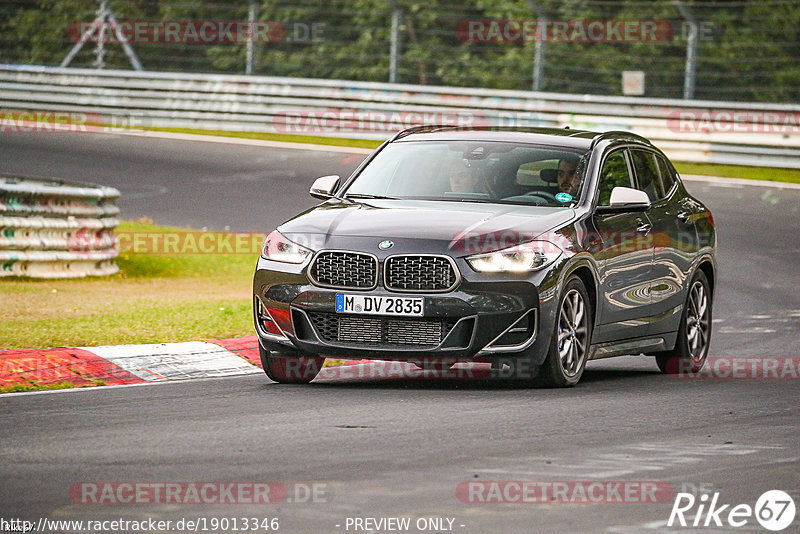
(691, 50)
(252, 15)
(394, 46)
(538, 56)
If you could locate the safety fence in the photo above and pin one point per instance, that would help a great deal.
(56, 229)
(85, 100)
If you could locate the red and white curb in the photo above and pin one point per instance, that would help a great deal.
(174, 361)
(131, 364)
(117, 365)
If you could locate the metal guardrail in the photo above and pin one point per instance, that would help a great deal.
(56, 229)
(717, 132)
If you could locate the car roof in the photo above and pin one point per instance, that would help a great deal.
(565, 137)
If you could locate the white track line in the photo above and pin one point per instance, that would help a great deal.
(6, 396)
(723, 182)
(245, 141)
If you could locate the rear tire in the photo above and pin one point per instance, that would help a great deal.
(288, 367)
(694, 332)
(571, 338)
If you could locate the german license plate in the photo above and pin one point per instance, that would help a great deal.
(372, 305)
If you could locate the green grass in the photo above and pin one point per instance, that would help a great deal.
(155, 298)
(35, 386)
(740, 171)
(286, 138)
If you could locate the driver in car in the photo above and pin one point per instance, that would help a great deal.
(568, 181)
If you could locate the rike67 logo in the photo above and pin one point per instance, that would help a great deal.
(774, 510)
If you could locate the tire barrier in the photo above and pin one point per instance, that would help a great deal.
(57, 229)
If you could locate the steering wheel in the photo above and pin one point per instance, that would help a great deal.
(549, 197)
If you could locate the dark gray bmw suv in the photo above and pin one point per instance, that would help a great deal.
(534, 250)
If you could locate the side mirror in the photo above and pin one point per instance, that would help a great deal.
(625, 199)
(324, 186)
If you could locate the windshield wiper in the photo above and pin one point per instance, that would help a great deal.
(463, 199)
(365, 196)
(478, 200)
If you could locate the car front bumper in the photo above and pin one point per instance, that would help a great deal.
(485, 316)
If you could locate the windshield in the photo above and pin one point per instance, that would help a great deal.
(474, 171)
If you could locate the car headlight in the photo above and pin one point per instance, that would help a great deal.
(519, 258)
(278, 248)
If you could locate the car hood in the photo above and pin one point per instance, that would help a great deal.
(421, 226)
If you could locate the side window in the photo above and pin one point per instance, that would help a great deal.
(614, 174)
(667, 176)
(647, 174)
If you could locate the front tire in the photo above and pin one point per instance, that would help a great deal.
(289, 368)
(694, 332)
(572, 335)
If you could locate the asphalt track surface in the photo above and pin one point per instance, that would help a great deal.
(385, 448)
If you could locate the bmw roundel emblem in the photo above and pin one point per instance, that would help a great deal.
(385, 245)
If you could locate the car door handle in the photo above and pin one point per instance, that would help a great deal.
(643, 227)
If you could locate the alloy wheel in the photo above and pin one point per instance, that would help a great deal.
(697, 321)
(572, 333)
